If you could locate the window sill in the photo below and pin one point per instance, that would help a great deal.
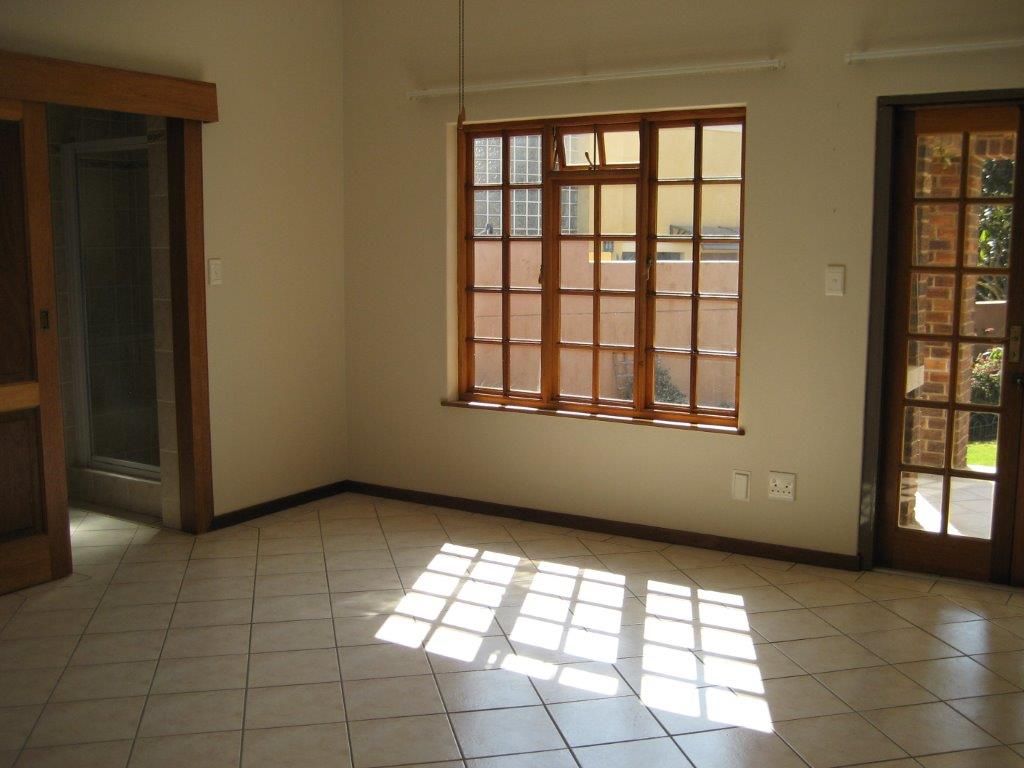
(684, 425)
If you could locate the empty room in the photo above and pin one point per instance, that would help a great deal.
(530, 384)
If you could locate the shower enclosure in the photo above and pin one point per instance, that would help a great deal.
(111, 333)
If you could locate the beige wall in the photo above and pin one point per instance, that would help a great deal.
(810, 155)
(272, 205)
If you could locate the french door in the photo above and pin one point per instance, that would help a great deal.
(34, 537)
(954, 377)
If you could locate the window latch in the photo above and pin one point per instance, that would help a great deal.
(1014, 343)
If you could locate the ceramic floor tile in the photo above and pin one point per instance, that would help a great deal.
(141, 593)
(365, 603)
(363, 662)
(933, 609)
(578, 682)
(993, 757)
(46, 624)
(292, 635)
(36, 653)
(294, 705)
(560, 758)
(202, 673)
(901, 645)
(195, 750)
(864, 617)
(78, 722)
(130, 618)
(206, 641)
(1002, 715)
(22, 687)
(800, 624)
(955, 678)
(977, 637)
(325, 746)
(828, 654)
(816, 594)
(725, 577)
(875, 688)
(212, 613)
(826, 742)
(363, 580)
(605, 720)
(926, 729)
(166, 570)
(1009, 666)
(651, 752)
(359, 560)
(738, 748)
(392, 697)
(110, 754)
(293, 667)
(363, 630)
(464, 652)
(105, 681)
(291, 608)
(790, 698)
(222, 588)
(292, 562)
(15, 725)
(282, 584)
(487, 689)
(119, 646)
(180, 713)
(395, 741)
(504, 731)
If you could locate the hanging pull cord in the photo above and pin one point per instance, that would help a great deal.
(462, 62)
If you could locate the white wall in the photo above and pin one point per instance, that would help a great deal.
(810, 150)
(273, 200)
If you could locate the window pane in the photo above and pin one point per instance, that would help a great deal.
(487, 264)
(577, 318)
(525, 213)
(616, 372)
(618, 265)
(577, 210)
(931, 302)
(672, 379)
(980, 376)
(487, 365)
(983, 305)
(487, 315)
(987, 235)
(938, 165)
(935, 234)
(720, 210)
(577, 266)
(618, 209)
(672, 323)
(575, 372)
(722, 152)
(970, 507)
(673, 269)
(991, 167)
(487, 212)
(929, 370)
(524, 316)
(975, 438)
(524, 367)
(720, 268)
(921, 499)
(487, 160)
(717, 325)
(524, 264)
(622, 147)
(676, 152)
(716, 382)
(924, 437)
(524, 159)
(617, 319)
(579, 146)
(675, 210)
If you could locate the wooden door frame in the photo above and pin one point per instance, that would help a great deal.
(882, 249)
(186, 104)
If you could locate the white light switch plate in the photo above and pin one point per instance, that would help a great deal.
(740, 485)
(835, 280)
(216, 268)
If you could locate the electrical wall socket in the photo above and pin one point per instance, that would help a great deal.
(781, 486)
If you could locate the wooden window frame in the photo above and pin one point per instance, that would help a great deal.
(555, 175)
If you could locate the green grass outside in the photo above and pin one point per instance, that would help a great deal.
(982, 454)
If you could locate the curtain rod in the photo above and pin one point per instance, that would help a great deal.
(752, 65)
(859, 57)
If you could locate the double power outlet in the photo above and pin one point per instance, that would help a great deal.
(781, 486)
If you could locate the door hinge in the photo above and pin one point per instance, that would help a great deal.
(44, 319)
(1014, 343)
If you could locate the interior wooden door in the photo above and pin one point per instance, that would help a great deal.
(34, 535)
(954, 379)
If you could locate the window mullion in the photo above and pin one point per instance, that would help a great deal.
(548, 274)
(642, 338)
(506, 222)
(698, 149)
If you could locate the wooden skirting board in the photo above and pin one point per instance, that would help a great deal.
(583, 522)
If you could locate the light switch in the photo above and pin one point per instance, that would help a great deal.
(740, 485)
(835, 280)
(216, 272)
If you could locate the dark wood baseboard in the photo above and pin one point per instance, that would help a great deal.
(246, 514)
(611, 527)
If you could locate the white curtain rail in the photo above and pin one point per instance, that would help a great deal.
(860, 57)
(752, 65)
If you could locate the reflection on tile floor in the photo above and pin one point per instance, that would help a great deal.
(369, 633)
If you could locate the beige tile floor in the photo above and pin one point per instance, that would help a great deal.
(369, 633)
